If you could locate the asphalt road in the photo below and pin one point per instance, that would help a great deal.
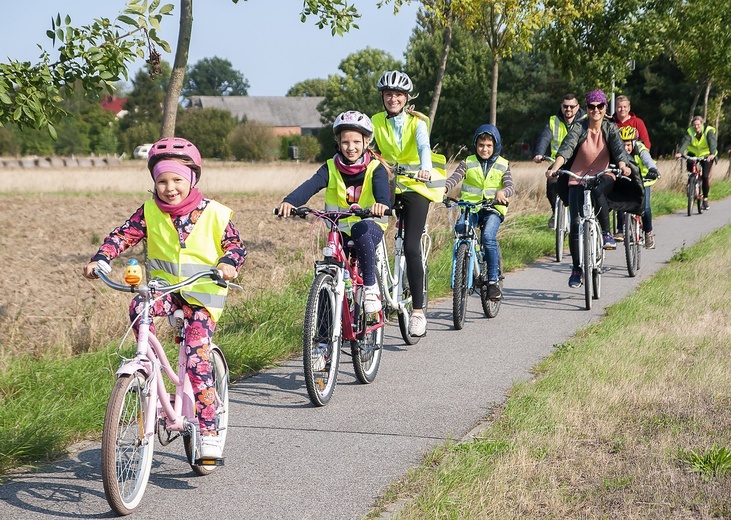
(286, 459)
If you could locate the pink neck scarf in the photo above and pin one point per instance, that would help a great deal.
(355, 168)
(188, 205)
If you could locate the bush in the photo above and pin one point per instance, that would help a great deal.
(147, 132)
(309, 147)
(8, 145)
(208, 129)
(254, 141)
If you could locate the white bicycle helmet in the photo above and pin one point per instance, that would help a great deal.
(353, 120)
(395, 80)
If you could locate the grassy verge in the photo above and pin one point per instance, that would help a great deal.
(630, 419)
(46, 405)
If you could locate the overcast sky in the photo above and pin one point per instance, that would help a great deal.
(263, 39)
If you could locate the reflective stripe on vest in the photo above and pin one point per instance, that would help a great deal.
(336, 198)
(559, 132)
(407, 157)
(699, 147)
(477, 186)
(171, 262)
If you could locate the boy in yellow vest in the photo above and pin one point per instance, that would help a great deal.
(486, 176)
(353, 176)
(186, 233)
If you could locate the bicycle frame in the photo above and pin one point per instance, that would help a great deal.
(467, 236)
(693, 188)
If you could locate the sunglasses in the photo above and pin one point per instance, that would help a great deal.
(572, 107)
(596, 106)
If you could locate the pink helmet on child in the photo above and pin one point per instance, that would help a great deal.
(175, 148)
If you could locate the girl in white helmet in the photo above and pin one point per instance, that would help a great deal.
(353, 176)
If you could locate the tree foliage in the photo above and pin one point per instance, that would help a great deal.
(214, 77)
(209, 129)
(308, 88)
(356, 88)
(95, 55)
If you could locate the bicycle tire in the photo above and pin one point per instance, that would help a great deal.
(560, 224)
(596, 272)
(320, 356)
(690, 194)
(492, 307)
(588, 282)
(220, 374)
(699, 197)
(366, 351)
(631, 245)
(126, 454)
(405, 316)
(460, 290)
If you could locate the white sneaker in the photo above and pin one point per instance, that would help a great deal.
(211, 447)
(372, 299)
(417, 324)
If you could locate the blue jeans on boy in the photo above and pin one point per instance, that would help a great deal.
(488, 222)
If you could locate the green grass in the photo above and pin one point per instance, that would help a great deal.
(48, 404)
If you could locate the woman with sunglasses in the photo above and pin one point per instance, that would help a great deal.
(590, 146)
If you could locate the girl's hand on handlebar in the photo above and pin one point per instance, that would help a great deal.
(424, 175)
(285, 210)
(500, 197)
(379, 209)
(89, 271)
(678, 155)
(550, 173)
(227, 271)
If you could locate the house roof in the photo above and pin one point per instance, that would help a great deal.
(276, 111)
(113, 104)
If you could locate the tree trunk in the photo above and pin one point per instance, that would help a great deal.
(705, 99)
(170, 110)
(493, 90)
(440, 72)
(695, 103)
(722, 96)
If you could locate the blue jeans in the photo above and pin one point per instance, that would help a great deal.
(489, 222)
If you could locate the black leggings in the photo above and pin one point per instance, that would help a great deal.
(705, 167)
(413, 215)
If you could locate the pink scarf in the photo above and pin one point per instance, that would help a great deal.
(352, 169)
(188, 205)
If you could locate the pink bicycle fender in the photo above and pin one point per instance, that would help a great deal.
(132, 367)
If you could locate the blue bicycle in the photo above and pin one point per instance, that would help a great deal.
(469, 268)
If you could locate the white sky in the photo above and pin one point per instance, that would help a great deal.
(263, 39)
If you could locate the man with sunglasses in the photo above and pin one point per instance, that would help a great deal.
(553, 134)
(624, 117)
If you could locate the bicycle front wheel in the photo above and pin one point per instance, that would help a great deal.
(366, 351)
(220, 374)
(588, 264)
(631, 244)
(320, 348)
(126, 452)
(699, 196)
(690, 193)
(561, 220)
(460, 290)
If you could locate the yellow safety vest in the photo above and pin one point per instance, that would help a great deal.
(408, 157)
(336, 198)
(699, 147)
(173, 263)
(477, 186)
(639, 147)
(558, 132)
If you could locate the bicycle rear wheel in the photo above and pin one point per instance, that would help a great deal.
(367, 351)
(220, 374)
(460, 289)
(631, 244)
(126, 453)
(320, 350)
(588, 267)
(561, 220)
(492, 307)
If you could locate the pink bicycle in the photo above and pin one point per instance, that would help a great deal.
(335, 312)
(140, 406)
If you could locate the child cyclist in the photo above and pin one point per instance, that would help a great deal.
(486, 176)
(402, 136)
(353, 176)
(648, 169)
(185, 232)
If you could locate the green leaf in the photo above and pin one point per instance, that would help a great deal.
(52, 132)
(127, 20)
(153, 6)
(155, 21)
(58, 19)
(51, 35)
(167, 9)
(68, 20)
(5, 98)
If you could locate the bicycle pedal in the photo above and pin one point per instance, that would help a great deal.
(209, 462)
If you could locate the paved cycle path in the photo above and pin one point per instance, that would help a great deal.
(286, 459)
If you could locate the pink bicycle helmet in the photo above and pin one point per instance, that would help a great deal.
(175, 148)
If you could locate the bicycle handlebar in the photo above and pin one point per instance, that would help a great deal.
(587, 176)
(548, 158)
(693, 159)
(103, 269)
(411, 174)
(485, 204)
(354, 211)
